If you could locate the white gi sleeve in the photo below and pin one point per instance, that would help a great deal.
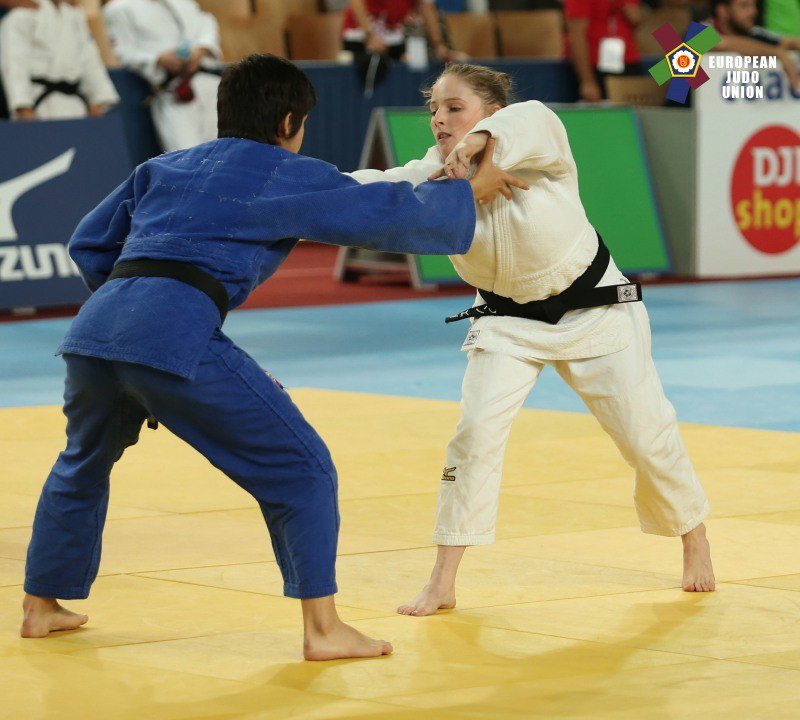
(527, 134)
(95, 82)
(415, 171)
(121, 33)
(205, 30)
(16, 50)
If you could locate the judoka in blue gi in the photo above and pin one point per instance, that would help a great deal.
(187, 236)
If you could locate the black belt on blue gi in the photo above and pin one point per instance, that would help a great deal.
(583, 293)
(63, 87)
(176, 270)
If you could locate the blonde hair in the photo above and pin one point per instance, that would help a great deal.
(491, 86)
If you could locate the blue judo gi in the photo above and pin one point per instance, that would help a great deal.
(152, 346)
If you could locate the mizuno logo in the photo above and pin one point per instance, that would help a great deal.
(38, 262)
(12, 190)
(447, 475)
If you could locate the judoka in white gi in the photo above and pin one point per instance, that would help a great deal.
(186, 237)
(173, 45)
(50, 64)
(529, 249)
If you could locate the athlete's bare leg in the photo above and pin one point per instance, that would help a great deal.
(698, 573)
(41, 616)
(326, 637)
(440, 592)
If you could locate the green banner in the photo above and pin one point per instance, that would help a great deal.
(612, 173)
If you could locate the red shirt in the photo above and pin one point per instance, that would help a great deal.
(605, 20)
(389, 13)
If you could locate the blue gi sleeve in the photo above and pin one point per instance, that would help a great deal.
(435, 218)
(97, 241)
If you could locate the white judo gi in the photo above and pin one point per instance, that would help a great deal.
(52, 42)
(530, 248)
(143, 30)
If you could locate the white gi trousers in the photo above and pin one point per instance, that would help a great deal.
(624, 393)
(183, 125)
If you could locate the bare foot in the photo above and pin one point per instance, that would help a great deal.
(432, 598)
(44, 615)
(342, 641)
(698, 573)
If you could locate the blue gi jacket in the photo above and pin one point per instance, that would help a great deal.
(235, 209)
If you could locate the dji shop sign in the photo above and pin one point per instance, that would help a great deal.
(52, 173)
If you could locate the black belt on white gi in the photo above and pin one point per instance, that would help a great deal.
(176, 270)
(583, 293)
(63, 87)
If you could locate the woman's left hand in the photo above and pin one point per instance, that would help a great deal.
(459, 160)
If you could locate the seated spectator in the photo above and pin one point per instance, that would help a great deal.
(173, 45)
(591, 24)
(378, 26)
(735, 21)
(50, 65)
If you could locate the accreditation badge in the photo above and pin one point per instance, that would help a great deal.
(611, 55)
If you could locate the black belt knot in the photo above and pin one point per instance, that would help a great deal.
(583, 293)
(63, 87)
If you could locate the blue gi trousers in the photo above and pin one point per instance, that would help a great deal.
(232, 413)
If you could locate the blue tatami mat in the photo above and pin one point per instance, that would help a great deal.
(728, 353)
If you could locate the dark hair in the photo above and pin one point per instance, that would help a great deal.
(257, 93)
(491, 86)
(716, 3)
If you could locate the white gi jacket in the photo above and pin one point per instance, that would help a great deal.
(143, 30)
(52, 42)
(535, 245)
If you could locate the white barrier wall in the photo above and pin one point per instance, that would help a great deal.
(748, 175)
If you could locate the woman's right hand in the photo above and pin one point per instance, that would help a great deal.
(457, 163)
(489, 180)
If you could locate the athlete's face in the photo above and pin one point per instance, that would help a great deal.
(455, 109)
(742, 15)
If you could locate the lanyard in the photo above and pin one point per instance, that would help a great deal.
(614, 9)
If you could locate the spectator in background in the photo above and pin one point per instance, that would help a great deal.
(782, 16)
(173, 45)
(701, 9)
(735, 21)
(378, 26)
(50, 65)
(5, 5)
(601, 40)
(737, 18)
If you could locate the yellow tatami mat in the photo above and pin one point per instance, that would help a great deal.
(572, 613)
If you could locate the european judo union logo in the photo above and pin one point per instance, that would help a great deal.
(681, 64)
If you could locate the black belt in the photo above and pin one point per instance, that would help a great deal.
(185, 272)
(62, 87)
(583, 293)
